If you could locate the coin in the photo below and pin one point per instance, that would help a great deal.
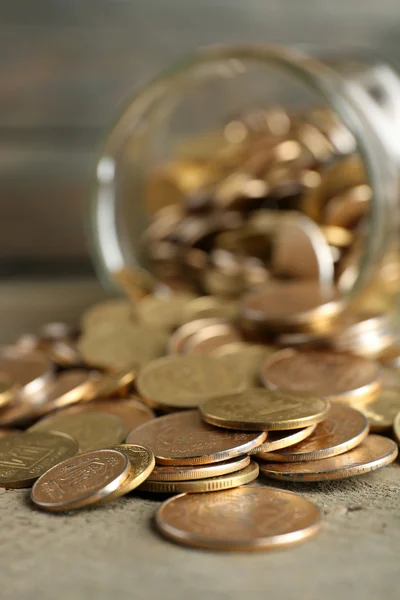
(390, 378)
(25, 456)
(177, 341)
(343, 428)
(282, 439)
(92, 430)
(130, 410)
(206, 307)
(69, 387)
(332, 375)
(142, 464)
(64, 353)
(31, 371)
(82, 480)
(8, 389)
(120, 346)
(5, 432)
(247, 518)
(189, 473)
(245, 359)
(383, 410)
(110, 384)
(165, 312)
(264, 410)
(373, 453)
(209, 484)
(185, 381)
(211, 337)
(396, 427)
(292, 306)
(115, 311)
(184, 439)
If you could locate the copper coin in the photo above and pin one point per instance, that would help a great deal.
(31, 371)
(263, 410)
(25, 456)
(108, 311)
(177, 382)
(207, 307)
(165, 312)
(244, 358)
(177, 341)
(5, 432)
(210, 338)
(282, 439)
(142, 464)
(110, 384)
(188, 473)
(396, 427)
(64, 353)
(247, 518)
(130, 410)
(292, 306)
(82, 480)
(208, 484)
(390, 378)
(343, 428)
(69, 387)
(184, 439)
(331, 375)
(373, 453)
(382, 411)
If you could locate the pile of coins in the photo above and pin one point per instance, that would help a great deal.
(171, 393)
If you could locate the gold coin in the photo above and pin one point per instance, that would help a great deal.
(282, 439)
(69, 387)
(264, 410)
(136, 283)
(211, 337)
(246, 518)
(390, 378)
(210, 484)
(176, 382)
(8, 389)
(82, 480)
(64, 353)
(177, 341)
(207, 307)
(396, 427)
(116, 311)
(182, 438)
(165, 312)
(25, 456)
(121, 346)
(31, 371)
(245, 359)
(292, 306)
(5, 432)
(373, 453)
(343, 428)
(142, 464)
(110, 384)
(189, 473)
(92, 430)
(382, 411)
(335, 376)
(130, 410)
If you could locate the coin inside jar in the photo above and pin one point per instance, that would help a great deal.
(177, 382)
(373, 453)
(241, 519)
(264, 410)
(343, 428)
(329, 374)
(82, 480)
(184, 439)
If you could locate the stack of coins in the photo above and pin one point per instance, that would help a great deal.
(173, 393)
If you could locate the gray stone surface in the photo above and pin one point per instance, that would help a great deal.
(113, 551)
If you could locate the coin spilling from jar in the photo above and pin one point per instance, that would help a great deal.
(241, 362)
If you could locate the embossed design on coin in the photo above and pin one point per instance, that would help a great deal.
(184, 439)
(186, 381)
(341, 430)
(92, 430)
(332, 375)
(373, 453)
(25, 456)
(247, 518)
(259, 409)
(208, 484)
(82, 480)
(382, 411)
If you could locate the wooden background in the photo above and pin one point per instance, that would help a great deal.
(66, 65)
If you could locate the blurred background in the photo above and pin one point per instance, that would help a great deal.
(66, 66)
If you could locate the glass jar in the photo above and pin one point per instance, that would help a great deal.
(218, 92)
